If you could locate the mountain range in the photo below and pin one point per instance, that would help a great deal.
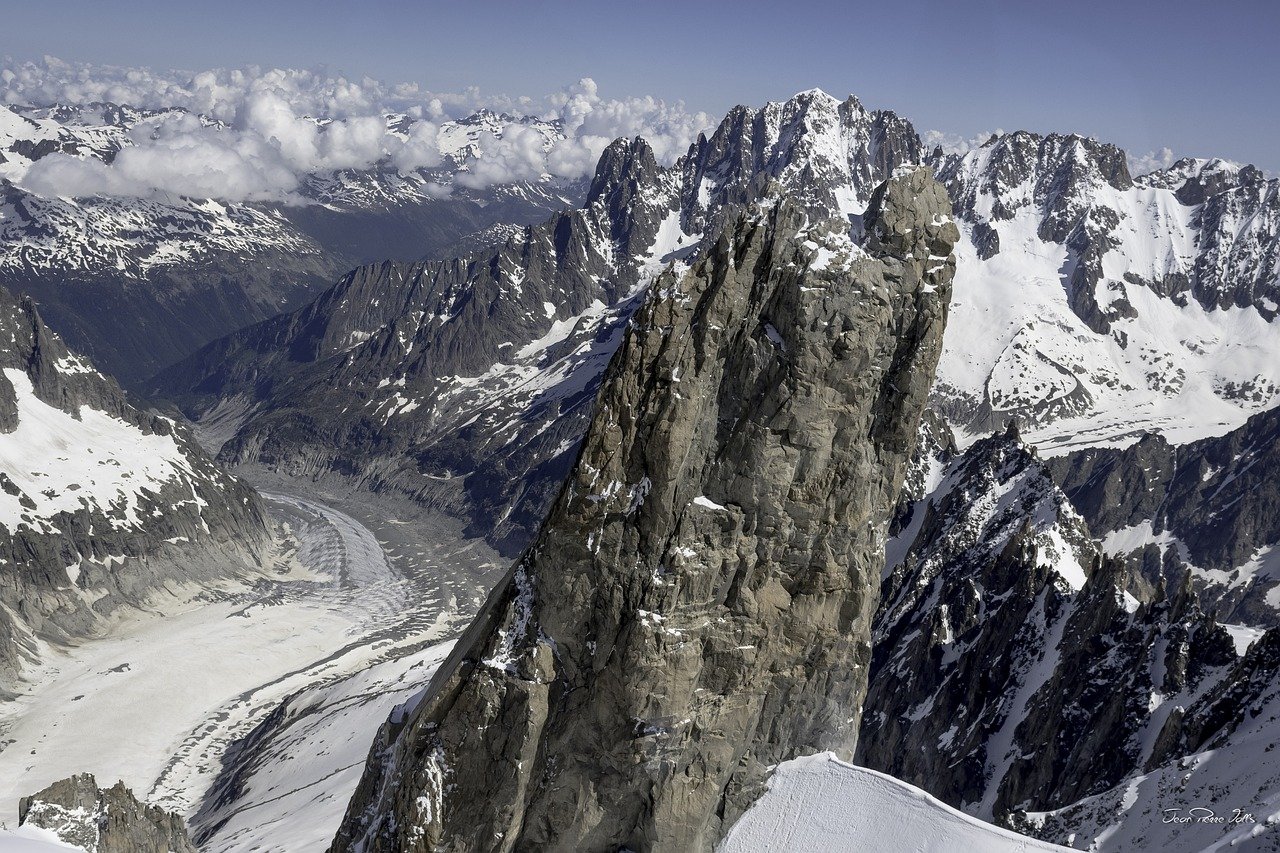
(958, 465)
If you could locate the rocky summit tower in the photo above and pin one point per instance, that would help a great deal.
(697, 605)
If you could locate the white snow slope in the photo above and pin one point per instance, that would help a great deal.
(309, 765)
(820, 804)
(63, 462)
(1014, 343)
(31, 839)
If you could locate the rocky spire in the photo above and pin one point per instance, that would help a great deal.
(697, 605)
(104, 820)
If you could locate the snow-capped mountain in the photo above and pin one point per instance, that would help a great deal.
(75, 814)
(1092, 306)
(1215, 767)
(457, 373)
(101, 505)
(1055, 634)
(1047, 221)
(185, 270)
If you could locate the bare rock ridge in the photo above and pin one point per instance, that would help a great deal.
(104, 820)
(697, 605)
(1208, 507)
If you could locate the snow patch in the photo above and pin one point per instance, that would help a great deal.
(820, 804)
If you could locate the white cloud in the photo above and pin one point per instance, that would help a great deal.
(272, 127)
(592, 122)
(952, 143)
(1152, 161)
(179, 156)
(518, 154)
(420, 149)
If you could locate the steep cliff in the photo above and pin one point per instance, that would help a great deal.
(697, 605)
(1209, 509)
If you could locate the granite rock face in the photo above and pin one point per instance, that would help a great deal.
(104, 820)
(697, 605)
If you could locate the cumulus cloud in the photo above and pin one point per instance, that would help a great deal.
(180, 156)
(518, 153)
(1152, 161)
(420, 149)
(952, 143)
(592, 122)
(252, 133)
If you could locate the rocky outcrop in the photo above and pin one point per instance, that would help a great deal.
(697, 605)
(104, 820)
(1014, 672)
(1207, 509)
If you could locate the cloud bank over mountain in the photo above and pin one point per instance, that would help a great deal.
(253, 133)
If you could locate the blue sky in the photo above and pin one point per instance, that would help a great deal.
(1200, 78)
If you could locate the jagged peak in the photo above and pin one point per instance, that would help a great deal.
(1053, 147)
(623, 160)
(1194, 179)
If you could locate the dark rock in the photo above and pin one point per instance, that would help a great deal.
(104, 820)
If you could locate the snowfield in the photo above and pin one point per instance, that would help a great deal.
(287, 804)
(820, 804)
(61, 462)
(1013, 340)
(31, 839)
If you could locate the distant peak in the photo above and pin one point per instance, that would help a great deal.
(814, 94)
